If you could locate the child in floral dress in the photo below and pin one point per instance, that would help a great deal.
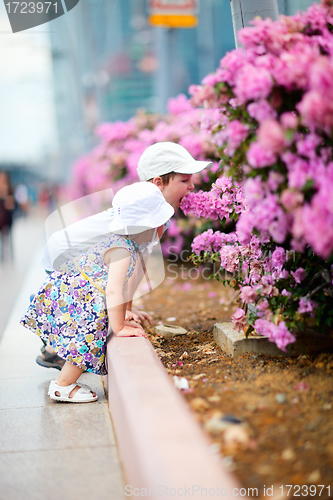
(79, 303)
(167, 165)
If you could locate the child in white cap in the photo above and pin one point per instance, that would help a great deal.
(167, 165)
(78, 304)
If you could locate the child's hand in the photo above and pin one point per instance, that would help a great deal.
(138, 316)
(132, 323)
(131, 331)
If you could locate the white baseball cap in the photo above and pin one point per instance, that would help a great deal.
(138, 207)
(165, 157)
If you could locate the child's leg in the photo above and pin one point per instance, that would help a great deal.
(69, 375)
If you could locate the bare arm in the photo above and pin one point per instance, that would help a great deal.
(118, 260)
(133, 284)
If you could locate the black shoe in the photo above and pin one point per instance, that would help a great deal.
(49, 360)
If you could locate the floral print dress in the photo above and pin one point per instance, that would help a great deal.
(69, 311)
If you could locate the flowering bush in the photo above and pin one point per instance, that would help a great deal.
(269, 111)
(113, 162)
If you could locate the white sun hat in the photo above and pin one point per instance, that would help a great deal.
(139, 207)
(165, 157)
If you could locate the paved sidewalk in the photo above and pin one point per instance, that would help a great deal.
(27, 233)
(48, 449)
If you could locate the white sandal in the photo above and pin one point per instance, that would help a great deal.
(60, 393)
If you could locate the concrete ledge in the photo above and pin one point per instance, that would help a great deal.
(160, 443)
(235, 343)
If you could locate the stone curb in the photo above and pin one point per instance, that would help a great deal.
(161, 446)
(235, 343)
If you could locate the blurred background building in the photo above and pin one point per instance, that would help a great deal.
(106, 61)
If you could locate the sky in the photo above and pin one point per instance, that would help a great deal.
(27, 118)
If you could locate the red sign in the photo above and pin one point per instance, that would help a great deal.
(189, 6)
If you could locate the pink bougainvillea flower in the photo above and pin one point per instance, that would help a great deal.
(306, 305)
(259, 157)
(279, 257)
(232, 135)
(179, 104)
(289, 120)
(248, 294)
(261, 110)
(271, 136)
(299, 274)
(252, 83)
(238, 318)
(291, 199)
(275, 333)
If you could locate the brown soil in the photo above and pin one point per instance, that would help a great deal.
(283, 432)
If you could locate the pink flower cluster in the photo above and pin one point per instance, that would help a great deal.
(267, 93)
(210, 241)
(233, 135)
(220, 202)
(275, 333)
(271, 118)
(113, 162)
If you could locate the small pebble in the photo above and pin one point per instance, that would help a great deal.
(181, 383)
(214, 399)
(200, 375)
(313, 425)
(263, 405)
(236, 435)
(199, 404)
(288, 454)
(265, 469)
(314, 476)
(228, 463)
(280, 398)
(215, 425)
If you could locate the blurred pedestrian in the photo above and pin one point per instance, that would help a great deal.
(21, 194)
(7, 207)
